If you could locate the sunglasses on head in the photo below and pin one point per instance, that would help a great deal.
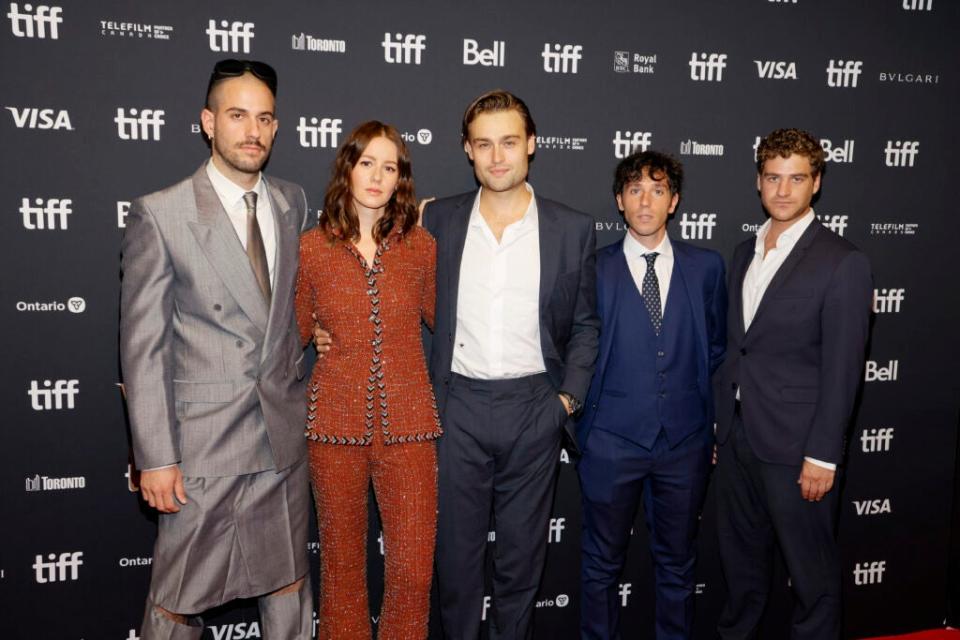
(233, 68)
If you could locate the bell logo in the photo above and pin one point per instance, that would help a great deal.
(123, 209)
(625, 143)
(46, 215)
(872, 507)
(843, 73)
(869, 572)
(836, 223)
(839, 154)
(707, 66)
(876, 440)
(697, 226)
(901, 153)
(405, 49)
(33, 23)
(876, 373)
(555, 532)
(34, 118)
(230, 36)
(561, 58)
(492, 57)
(54, 395)
(142, 125)
(888, 300)
(918, 5)
(320, 132)
(60, 568)
(776, 70)
(625, 589)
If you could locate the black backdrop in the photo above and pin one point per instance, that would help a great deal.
(101, 104)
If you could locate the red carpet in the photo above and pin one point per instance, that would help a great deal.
(935, 634)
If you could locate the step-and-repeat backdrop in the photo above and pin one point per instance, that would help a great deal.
(100, 103)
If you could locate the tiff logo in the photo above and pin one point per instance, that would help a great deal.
(843, 73)
(869, 572)
(52, 395)
(561, 58)
(320, 132)
(876, 440)
(697, 226)
(625, 142)
(33, 23)
(918, 5)
(875, 373)
(230, 36)
(901, 153)
(836, 222)
(625, 589)
(406, 49)
(55, 569)
(555, 533)
(143, 126)
(484, 607)
(888, 300)
(707, 66)
(34, 118)
(493, 57)
(50, 215)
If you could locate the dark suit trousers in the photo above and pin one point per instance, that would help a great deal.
(499, 453)
(615, 474)
(758, 504)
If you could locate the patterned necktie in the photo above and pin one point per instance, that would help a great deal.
(651, 292)
(255, 249)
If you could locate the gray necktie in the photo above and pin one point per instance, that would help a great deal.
(651, 292)
(255, 249)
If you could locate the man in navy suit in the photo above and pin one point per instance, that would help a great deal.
(515, 340)
(798, 326)
(647, 428)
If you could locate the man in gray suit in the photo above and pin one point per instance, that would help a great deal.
(213, 372)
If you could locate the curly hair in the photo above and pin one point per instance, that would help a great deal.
(784, 143)
(655, 164)
(338, 220)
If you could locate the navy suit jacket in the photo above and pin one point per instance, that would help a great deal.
(703, 274)
(568, 321)
(800, 364)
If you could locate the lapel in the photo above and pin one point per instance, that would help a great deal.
(614, 282)
(685, 277)
(285, 266)
(453, 252)
(783, 273)
(550, 248)
(219, 243)
(741, 262)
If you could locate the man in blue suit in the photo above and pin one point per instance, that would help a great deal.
(647, 427)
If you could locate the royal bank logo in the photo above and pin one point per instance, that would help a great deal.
(561, 58)
(562, 143)
(75, 304)
(876, 440)
(894, 228)
(694, 148)
(872, 507)
(319, 132)
(40, 118)
(901, 153)
(45, 215)
(474, 54)
(835, 222)
(139, 124)
(40, 21)
(626, 142)
(707, 67)
(624, 589)
(869, 572)
(776, 69)
(909, 78)
(234, 37)
(403, 49)
(306, 42)
(53, 395)
(422, 136)
(58, 568)
(844, 73)
(629, 62)
(555, 529)
(888, 300)
(138, 30)
(917, 5)
(46, 483)
(697, 226)
(874, 372)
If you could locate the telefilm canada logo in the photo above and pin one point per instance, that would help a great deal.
(35, 21)
(307, 42)
(561, 143)
(46, 483)
(139, 30)
(894, 228)
(634, 62)
(76, 304)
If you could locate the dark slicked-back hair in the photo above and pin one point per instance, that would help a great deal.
(655, 164)
(228, 68)
(497, 100)
(783, 143)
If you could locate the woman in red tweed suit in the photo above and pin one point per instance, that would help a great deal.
(367, 276)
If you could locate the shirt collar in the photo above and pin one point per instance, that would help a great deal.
(633, 249)
(789, 237)
(229, 191)
(530, 216)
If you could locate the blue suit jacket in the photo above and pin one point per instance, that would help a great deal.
(703, 274)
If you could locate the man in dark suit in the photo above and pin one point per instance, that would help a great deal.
(647, 428)
(797, 330)
(514, 345)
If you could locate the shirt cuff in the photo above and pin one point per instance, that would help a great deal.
(821, 463)
(166, 466)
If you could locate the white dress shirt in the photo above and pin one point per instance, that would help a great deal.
(231, 197)
(498, 300)
(761, 271)
(662, 266)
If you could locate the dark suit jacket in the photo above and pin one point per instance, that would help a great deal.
(800, 364)
(568, 319)
(703, 275)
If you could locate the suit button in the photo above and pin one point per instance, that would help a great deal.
(217, 307)
(743, 352)
(660, 354)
